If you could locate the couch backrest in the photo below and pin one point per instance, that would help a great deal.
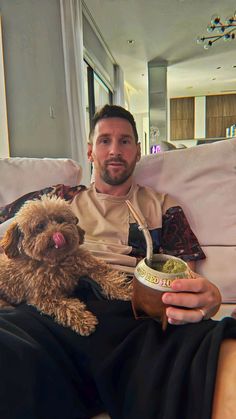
(22, 175)
(203, 180)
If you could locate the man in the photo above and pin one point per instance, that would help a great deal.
(114, 149)
(127, 367)
(111, 234)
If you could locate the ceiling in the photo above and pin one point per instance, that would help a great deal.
(167, 30)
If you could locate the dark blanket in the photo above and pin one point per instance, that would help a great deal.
(128, 367)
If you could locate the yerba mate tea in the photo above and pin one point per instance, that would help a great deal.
(150, 282)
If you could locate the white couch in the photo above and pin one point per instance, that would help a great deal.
(202, 179)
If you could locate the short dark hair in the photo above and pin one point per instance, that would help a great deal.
(113, 111)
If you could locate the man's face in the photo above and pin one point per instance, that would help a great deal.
(114, 150)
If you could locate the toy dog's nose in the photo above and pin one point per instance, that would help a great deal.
(58, 239)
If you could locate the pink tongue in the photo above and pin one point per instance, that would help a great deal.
(58, 239)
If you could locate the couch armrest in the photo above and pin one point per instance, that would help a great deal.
(225, 310)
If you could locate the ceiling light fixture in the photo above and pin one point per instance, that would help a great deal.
(225, 30)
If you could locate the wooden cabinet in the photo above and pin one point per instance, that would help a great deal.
(182, 118)
(220, 114)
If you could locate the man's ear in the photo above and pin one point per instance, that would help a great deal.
(89, 152)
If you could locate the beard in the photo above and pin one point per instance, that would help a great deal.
(119, 178)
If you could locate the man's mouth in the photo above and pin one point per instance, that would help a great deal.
(115, 164)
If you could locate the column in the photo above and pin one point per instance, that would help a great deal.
(157, 96)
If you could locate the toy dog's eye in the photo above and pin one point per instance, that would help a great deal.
(60, 220)
(40, 227)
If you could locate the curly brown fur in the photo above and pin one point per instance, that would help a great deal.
(43, 262)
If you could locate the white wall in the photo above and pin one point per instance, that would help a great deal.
(34, 73)
(200, 117)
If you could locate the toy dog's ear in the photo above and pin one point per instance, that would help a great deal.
(10, 241)
(81, 234)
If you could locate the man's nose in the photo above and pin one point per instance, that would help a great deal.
(114, 148)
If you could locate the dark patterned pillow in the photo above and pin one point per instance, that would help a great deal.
(177, 237)
(60, 190)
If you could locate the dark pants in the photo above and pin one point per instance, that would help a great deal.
(128, 367)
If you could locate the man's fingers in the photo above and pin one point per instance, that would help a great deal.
(197, 284)
(181, 299)
(191, 300)
(181, 316)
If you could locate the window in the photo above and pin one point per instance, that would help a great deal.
(87, 122)
(101, 93)
(97, 94)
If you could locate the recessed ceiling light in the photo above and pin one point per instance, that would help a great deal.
(214, 78)
(234, 66)
(218, 68)
(130, 41)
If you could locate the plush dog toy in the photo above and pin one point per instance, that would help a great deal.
(43, 262)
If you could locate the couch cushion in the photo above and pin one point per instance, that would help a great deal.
(203, 180)
(22, 175)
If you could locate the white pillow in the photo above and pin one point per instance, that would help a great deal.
(203, 180)
(21, 175)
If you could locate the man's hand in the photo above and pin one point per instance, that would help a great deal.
(192, 300)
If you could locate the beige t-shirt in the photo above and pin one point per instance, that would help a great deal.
(106, 220)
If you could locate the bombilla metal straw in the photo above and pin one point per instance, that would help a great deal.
(143, 227)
